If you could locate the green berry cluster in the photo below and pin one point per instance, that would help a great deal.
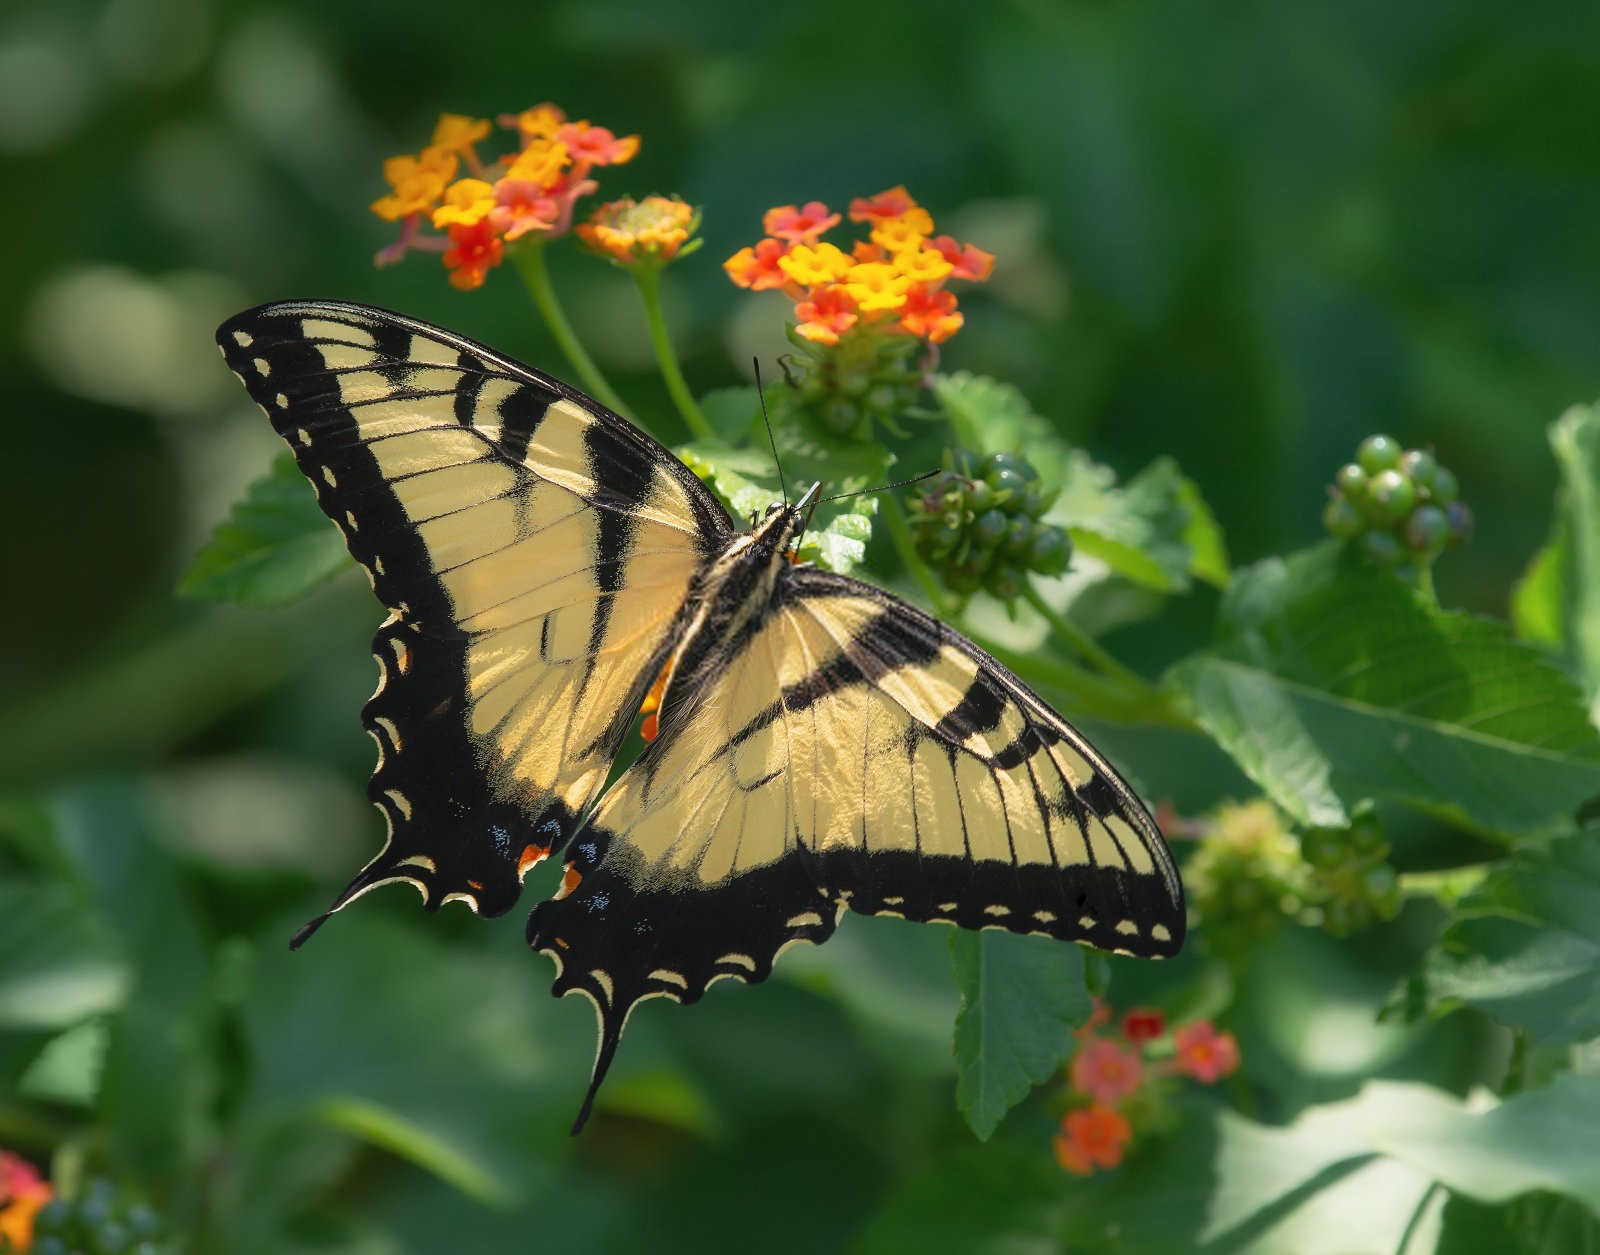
(978, 523)
(1399, 505)
(101, 1220)
(864, 379)
(1245, 878)
(1354, 885)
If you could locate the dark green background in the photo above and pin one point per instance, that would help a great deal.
(1244, 235)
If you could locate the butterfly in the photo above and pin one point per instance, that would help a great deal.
(549, 570)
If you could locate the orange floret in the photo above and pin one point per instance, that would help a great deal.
(922, 265)
(757, 268)
(813, 266)
(931, 314)
(418, 182)
(876, 286)
(595, 145)
(539, 122)
(1091, 1138)
(541, 162)
(473, 250)
(967, 261)
(889, 204)
(799, 226)
(456, 132)
(826, 315)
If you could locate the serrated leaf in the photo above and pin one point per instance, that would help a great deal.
(747, 481)
(1138, 529)
(1021, 997)
(1558, 601)
(1524, 946)
(990, 416)
(1334, 684)
(274, 547)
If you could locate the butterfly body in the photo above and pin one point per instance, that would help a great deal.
(822, 745)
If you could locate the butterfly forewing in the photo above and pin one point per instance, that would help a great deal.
(533, 550)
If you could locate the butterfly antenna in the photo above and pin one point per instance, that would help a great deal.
(899, 483)
(771, 439)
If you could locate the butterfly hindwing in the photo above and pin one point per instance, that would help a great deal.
(534, 551)
(848, 752)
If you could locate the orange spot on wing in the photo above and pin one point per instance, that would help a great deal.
(531, 857)
(475, 884)
(562, 944)
(652, 703)
(569, 880)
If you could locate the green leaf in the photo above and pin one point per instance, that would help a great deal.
(1334, 683)
(1021, 997)
(1000, 1199)
(1558, 601)
(58, 961)
(446, 1054)
(274, 547)
(1208, 551)
(747, 481)
(1138, 530)
(1524, 946)
(732, 411)
(1352, 1176)
(994, 417)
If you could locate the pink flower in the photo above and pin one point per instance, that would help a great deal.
(1105, 1071)
(1204, 1053)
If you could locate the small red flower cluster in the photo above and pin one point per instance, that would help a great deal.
(1110, 1070)
(22, 1193)
(529, 192)
(893, 281)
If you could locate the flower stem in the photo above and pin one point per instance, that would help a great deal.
(900, 533)
(648, 279)
(529, 259)
(1080, 640)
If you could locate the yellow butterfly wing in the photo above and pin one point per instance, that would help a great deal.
(848, 752)
(534, 551)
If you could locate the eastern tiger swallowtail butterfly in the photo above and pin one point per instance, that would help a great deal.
(822, 744)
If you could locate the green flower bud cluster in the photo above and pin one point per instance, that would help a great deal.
(1399, 505)
(1354, 885)
(862, 380)
(1245, 878)
(101, 1220)
(978, 524)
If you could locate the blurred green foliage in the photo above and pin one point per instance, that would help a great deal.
(1241, 239)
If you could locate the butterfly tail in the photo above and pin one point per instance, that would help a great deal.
(610, 1036)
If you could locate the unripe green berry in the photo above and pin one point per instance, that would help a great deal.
(1006, 482)
(1379, 453)
(1323, 847)
(1419, 464)
(1379, 882)
(1352, 481)
(980, 496)
(1427, 529)
(1460, 522)
(1049, 551)
(1006, 585)
(1392, 495)
(1444, 488)
(1342, 519)
(1019, 535)
(989, 529)
(1408, 573)
(1381, 548)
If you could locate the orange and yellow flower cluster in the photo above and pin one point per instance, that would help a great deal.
(22, 1193)
(528, 192)
(649, 233)
(1110, 1070)
(892, 281)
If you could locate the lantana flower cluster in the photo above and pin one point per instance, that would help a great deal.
(1113, 1067)
(22, 1193)
(892, 281)
(481, 206)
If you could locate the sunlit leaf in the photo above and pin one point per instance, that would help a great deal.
(274, 547)
(1524, 946)
(1334, 683)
